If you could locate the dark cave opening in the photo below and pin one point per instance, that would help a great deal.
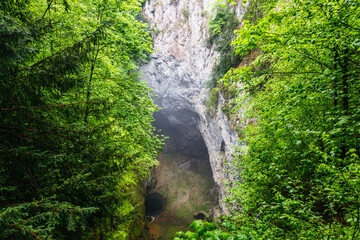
(154, 204)
(186, 144)
(184, 135)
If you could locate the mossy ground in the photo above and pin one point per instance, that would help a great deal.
(187, 193)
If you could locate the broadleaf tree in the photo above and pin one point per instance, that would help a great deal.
(299, 170)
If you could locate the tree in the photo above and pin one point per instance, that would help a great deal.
(300, 169)
(75, 132)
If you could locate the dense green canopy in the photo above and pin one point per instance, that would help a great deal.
(298, 165)
(75, 132)
(300, 169)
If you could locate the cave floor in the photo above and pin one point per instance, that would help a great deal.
(188, 187)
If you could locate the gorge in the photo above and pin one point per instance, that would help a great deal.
(261, 107)
(178, 71)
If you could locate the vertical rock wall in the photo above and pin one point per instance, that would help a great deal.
(178, 70)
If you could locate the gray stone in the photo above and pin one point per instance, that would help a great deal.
(178, 70)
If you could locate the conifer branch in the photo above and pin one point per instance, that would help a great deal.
(45, 106)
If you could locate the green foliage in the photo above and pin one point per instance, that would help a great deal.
(186, 12)
(75, 132)
(213, 100)
(222, 25)
(225, 110)
(206, 230)
(255, 9)
(300, 171)
(204, 13)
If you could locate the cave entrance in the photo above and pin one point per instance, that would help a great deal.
(184, 139)
(154, 204)
(183, 177)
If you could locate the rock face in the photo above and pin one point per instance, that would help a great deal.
(178, 70)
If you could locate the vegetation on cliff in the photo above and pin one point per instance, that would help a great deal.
(300, 87)
(75, 132)
(222, 24)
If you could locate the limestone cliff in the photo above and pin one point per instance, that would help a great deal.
(178, 70)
